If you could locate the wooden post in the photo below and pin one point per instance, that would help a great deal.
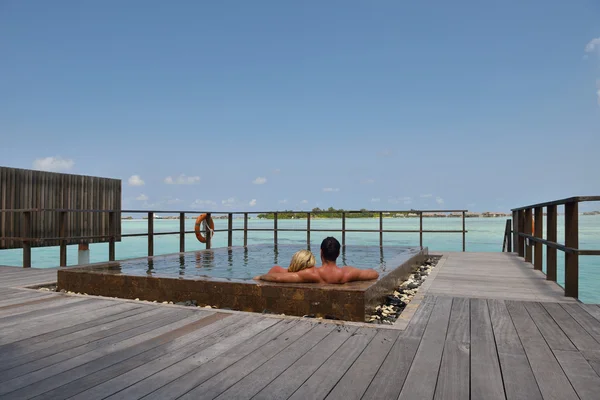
(207, 231)
(538, 258)
(150, 234)
(527, 230)
(464, 233)
(245, 229)
(380, 229)
(551, 236)
(343, 229)
(62, 224)
(572, 240)
(229, 230)
(308, 230)
(520, 229)
(26, 233)
(112, 224)
(421, 229)
(515, 228)
(275, 229)
(182, 232)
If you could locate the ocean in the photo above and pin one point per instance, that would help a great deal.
(485, 235)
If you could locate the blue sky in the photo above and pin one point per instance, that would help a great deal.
(237, 105)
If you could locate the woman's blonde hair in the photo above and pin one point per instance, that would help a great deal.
(301, 260)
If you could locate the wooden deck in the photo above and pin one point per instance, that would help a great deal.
(59, 346)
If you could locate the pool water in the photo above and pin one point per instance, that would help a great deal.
(246, 263)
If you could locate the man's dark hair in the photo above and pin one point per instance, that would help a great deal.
(330, 248)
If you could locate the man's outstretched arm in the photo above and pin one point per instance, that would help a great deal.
(290, 277)
(355, 274)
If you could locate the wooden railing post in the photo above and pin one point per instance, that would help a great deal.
(150, 234)
(572, 240)
(527, 231)
(275, 229)
(343, 229)
(62, 228)
(245, 229)
(229, 230)
(515, 230)
(551, 236)
(308, 230)
(464, 232)
(111, 231)
(520, 229)
(421, 229)
(380, 229)
(538, 259)
(182, 232)
(208, 233)
(26, 233)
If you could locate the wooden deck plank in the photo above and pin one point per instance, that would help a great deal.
(117, 378)
(293, 377)
(60, 304)
(224, 378)
(169, 331)
(593, 358)
(555, 337)
(454, 374)
(519, 381)
(25, 354)
(584, 379)
(423, 373)
(357, 379)
(575, 332)
(390, 378)
(256, 380)
(592, 309)
(486, 376)
(181, 377)
(21, 299)
(331, 371)
(133, 326)
(20, 293)
(550, 377)
(587, 321)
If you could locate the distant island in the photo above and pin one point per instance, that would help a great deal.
(592, 213)
(363, 213)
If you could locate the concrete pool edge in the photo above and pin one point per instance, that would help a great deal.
(348, 302)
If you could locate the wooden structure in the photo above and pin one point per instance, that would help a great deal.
(455, 346)
(39, 209)
(528, 238)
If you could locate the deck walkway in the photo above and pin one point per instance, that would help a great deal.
(59, 346)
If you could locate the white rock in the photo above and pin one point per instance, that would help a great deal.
(137, 299)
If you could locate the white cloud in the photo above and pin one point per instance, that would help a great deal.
(304, 202)
(593, 45)
(284, 201)
(173, 201)
(252, 203)
(182, 180)
(53, 164)
(331, 189)
(261, 180)
(142, 197)
(375, 200)
(367, 181)
(439, 200)
(202, 203)
(135, 180)
(230, 202)
(424, 196)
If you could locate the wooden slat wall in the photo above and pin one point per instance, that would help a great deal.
(23, 189)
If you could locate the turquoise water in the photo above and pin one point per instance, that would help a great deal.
(246, 263)
(485, 234)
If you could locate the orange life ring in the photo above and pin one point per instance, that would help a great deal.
(211, 227)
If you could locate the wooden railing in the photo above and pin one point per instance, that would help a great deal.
(27, 241)
(527, 238)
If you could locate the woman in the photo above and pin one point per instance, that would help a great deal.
(302, 259)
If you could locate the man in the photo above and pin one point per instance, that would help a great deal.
(329, 272)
